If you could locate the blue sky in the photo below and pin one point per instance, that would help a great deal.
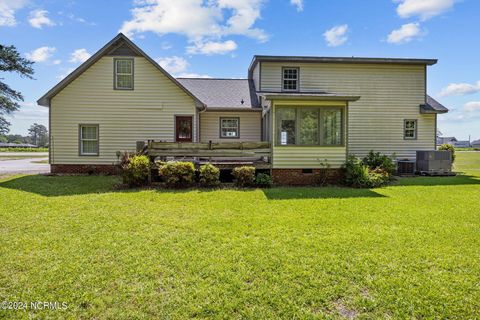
(218, 38)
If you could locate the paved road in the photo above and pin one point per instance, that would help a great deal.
(24, 166)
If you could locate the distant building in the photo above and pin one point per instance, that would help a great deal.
(446, 140)
(476, 144)
(461, 144)
(17, 145)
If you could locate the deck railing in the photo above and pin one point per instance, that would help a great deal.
(217, 152)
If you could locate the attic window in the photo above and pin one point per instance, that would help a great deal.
(123, 74)
(290, 79)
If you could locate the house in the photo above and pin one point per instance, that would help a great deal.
(446, 140)
(16, 145)
(462, 144)
(476, 144)
(312, 110)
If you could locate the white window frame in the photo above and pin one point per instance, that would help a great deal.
(81, 139)
(116, 73)
(237, 127)
(405, 129)
(297, 80)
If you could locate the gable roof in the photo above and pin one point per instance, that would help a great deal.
(432, 106)
(223, 93)
(117, 43)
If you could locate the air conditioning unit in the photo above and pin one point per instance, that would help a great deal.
(434, 162)
(406, 167)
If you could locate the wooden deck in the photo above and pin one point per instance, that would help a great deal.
(225, 155)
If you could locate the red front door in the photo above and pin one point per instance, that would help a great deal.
(183, 129)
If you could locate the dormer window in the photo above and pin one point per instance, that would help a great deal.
(123, 74)
(290, 79)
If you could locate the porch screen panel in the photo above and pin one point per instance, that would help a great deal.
(286, 126)
(308, 126)
(332, 127)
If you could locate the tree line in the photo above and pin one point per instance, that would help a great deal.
(11, 61)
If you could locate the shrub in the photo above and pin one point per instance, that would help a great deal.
(448, 147)
(177, 174)
(263, 180)
(209, 175)
(244, 176)
(135, 169)
(359, 175)
(376, 160)
(321, 178)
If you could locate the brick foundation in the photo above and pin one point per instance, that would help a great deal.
(93, 169)
(297, 177)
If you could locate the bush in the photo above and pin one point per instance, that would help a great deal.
(448, 147)
(263, 180)
(321, 178)
(209, 175)
(135, 169)
(244, 176)
(177, 174)
(359, 175)
(376, 160)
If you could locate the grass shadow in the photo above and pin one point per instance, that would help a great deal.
(54, 186)
(291, 193)
(460, 179)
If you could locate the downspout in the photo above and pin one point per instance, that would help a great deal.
(198, 122)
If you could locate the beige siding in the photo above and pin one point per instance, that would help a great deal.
(124, 116)
(256, 75)
(250, 126)
(306, 157)
(389, 94)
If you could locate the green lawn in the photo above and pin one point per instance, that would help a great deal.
(410, 250)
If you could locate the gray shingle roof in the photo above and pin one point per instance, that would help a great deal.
(432, 106)
(223, 93)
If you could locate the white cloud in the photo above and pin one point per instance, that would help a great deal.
(212, 47)
(38, 18)
(193, 75)
(406, 33)
(425, 9)
(41, 54)
(58, 61)
(8, 9)
(200, 21)
(173, 64)
(177, 66)
(472, 106)
(79, 56)
(336, 36)
(460, 89)
(30, 111)
(298, 4)
(65, 73)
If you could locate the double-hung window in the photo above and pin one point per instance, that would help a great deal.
(123, 74)
(88, 138)
(410, 129)
(290, 79)
(309, 126)
(230, 128)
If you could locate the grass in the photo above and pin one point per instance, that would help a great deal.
(41, 161)
(10, 149)
(466, 149)
(410, 250)
(20, 157)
